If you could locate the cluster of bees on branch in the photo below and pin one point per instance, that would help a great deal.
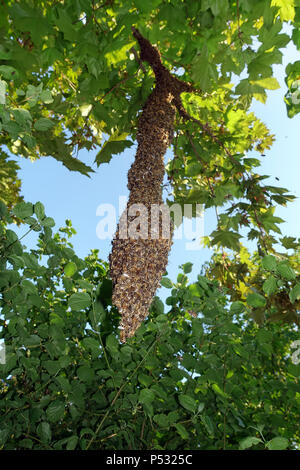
(138, 264)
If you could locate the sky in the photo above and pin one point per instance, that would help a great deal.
(70, 195)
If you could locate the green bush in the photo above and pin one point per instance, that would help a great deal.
(197, 375)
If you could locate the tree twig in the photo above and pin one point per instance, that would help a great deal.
(119, 393)
(238, 20)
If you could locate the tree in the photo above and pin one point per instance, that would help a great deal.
(80, 75)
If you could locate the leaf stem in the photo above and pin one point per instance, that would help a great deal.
(19, 239)
(100, 338)
(120, 391)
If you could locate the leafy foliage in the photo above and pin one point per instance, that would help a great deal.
(199, 375)
(268, 287)
(203, 374)
(9, 182)
(70, 74)
(115, 144)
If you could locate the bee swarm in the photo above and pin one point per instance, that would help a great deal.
(138, 264)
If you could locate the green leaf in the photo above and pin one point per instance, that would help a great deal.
(114, 145)
(226, 238)
(158, 306)
(218, 390)
(146, 7)
(32, 341)
(64, 22)
(289, 242)
(166, 282)
(29, 287)
(278, 443)
(286, 9)
(146, 396)
(62, 154)
(85, 109)
(173, 416)
(43, 124)
(269, 262)
(145, 380)
(197, 195)
(26, 443)
(203, 71)
(30, 261)
(269, 221)
(55, 411)
(296, 38)
(218, 7)
(197, 327)
(255, 300)
(162, 420)
(206, 420)
(85, 373)
(295, 293)
(3, 86)
(264, 336)
(251, 89)
(237, 307)
(84, 284)
(72, 443)
(286, 271)
(23, 209)
(52, 367)
(92, 345)
(39, 210)
(70, 269)
(249, 442)
(112, 344)
(187, 267)
(193, 169)
(48, 222)
(46, 97)
(201, 407)
(4, 434)
(8, 72)
(270, 83)
(79, 301)
(44, 431)
(182, 431)
(118, 51)
(292, 97)
(16, 260)
(270, 285)
(162, 318)
(188, 402)
(33, 94)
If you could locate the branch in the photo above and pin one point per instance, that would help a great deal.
(238, 20)
(125, 382)
(164, 78)
(149, 53)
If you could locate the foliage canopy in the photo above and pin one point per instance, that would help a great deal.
(71, 80)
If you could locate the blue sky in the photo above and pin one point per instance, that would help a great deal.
(70, 195)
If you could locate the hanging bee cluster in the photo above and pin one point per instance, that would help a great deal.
(138, 262)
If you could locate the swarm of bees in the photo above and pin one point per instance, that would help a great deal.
(137, 263)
